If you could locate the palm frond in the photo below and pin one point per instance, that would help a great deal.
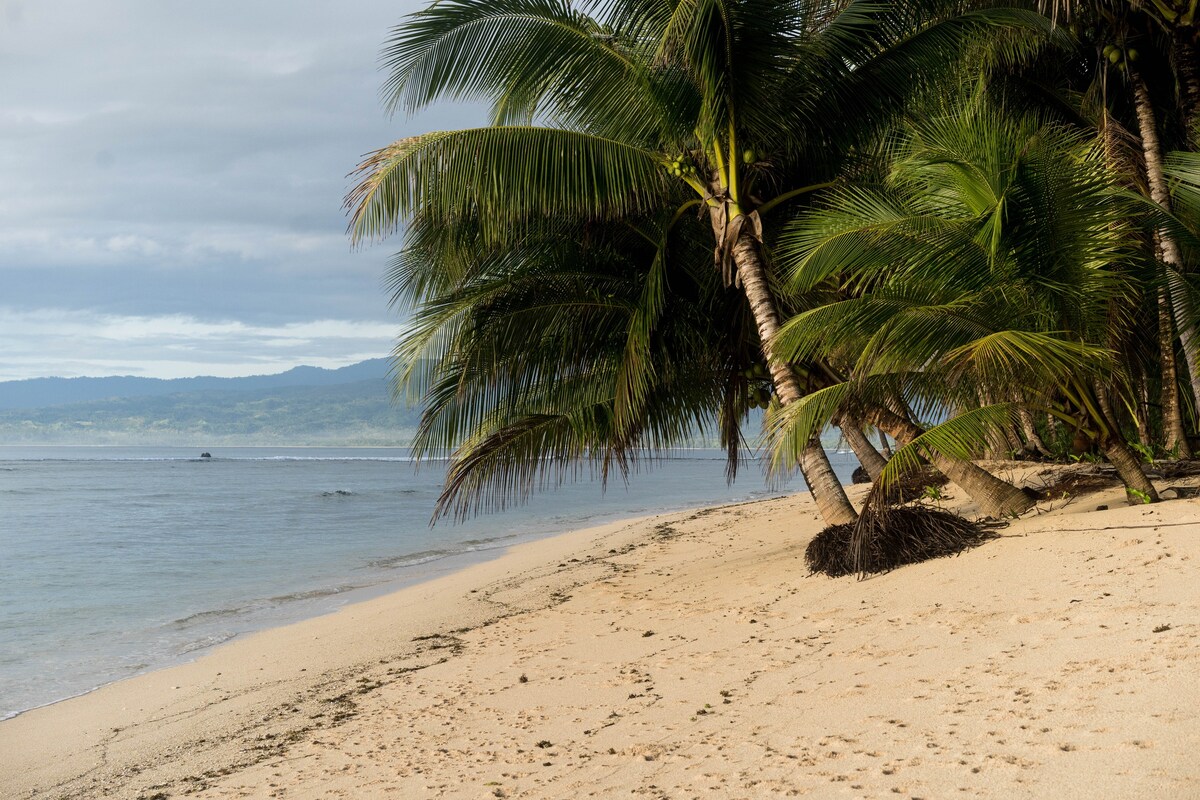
(504, 177)
(959, 437)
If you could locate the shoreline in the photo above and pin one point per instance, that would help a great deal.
(55, 667)
(109, 707)
(347, 597)
(685, 654)
(425, 570)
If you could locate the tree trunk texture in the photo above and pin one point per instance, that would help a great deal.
(1171, 255)
(1129, 468)
(995, 497)
(1120, 454)
(1015, 444)
(1187, 67)
(1052, 428)
(884, 447)
(999, 447)
(867, 455)
(827, 490)
(1174, 432)
(1141, 416)
(1034, 445)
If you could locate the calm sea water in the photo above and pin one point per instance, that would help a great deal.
(114, 561)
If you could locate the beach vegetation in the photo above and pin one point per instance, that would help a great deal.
(971, 227)
(992, 256)
(663, 139)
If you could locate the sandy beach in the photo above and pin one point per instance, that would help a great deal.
(690, 655)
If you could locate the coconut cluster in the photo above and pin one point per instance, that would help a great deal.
(681, 166)
(1119, 57)
(758, 386)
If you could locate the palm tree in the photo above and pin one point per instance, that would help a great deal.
(1174, 31)
(655, 107)
(995, 255)
(1145, 58)
(563, 350)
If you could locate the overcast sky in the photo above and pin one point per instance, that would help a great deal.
(171, 179)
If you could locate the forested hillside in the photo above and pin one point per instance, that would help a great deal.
(242, 411)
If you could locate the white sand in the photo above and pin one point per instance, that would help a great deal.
(686, 656)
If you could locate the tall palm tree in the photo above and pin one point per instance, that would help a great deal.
(995, 255)
(630, 108)
(1145, 58)
(1178, 22)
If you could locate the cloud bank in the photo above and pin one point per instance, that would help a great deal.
(185, 164)
(53, 342)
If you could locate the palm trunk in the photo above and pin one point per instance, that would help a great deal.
(1187, 68)
(867, 455)
(1141, 415)
(1122, 457)
(884, 447)
(827, 490)
(1171, 255)
(1174, 432)
(1034, 445)
(1120, 454)
(996, 498)
(1052, 429)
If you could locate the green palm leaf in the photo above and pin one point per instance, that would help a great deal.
(504, 177)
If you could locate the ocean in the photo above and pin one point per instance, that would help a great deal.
(119, 560)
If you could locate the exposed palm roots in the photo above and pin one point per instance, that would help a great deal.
(890, 538)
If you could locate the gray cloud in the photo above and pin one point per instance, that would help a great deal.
(176, 346)
(188, 160)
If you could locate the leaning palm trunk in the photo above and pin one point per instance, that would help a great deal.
(1174, 433)
(1172, 256)
(995, 497)
(870, 458)
(1120, 454)
(1034, 445)
(827, 490)
(1129, 469)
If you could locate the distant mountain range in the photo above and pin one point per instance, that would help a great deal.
(305, 405)
(43, 392)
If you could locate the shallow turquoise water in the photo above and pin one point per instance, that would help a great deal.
(118, 560)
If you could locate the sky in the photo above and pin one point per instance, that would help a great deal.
(171, 184)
